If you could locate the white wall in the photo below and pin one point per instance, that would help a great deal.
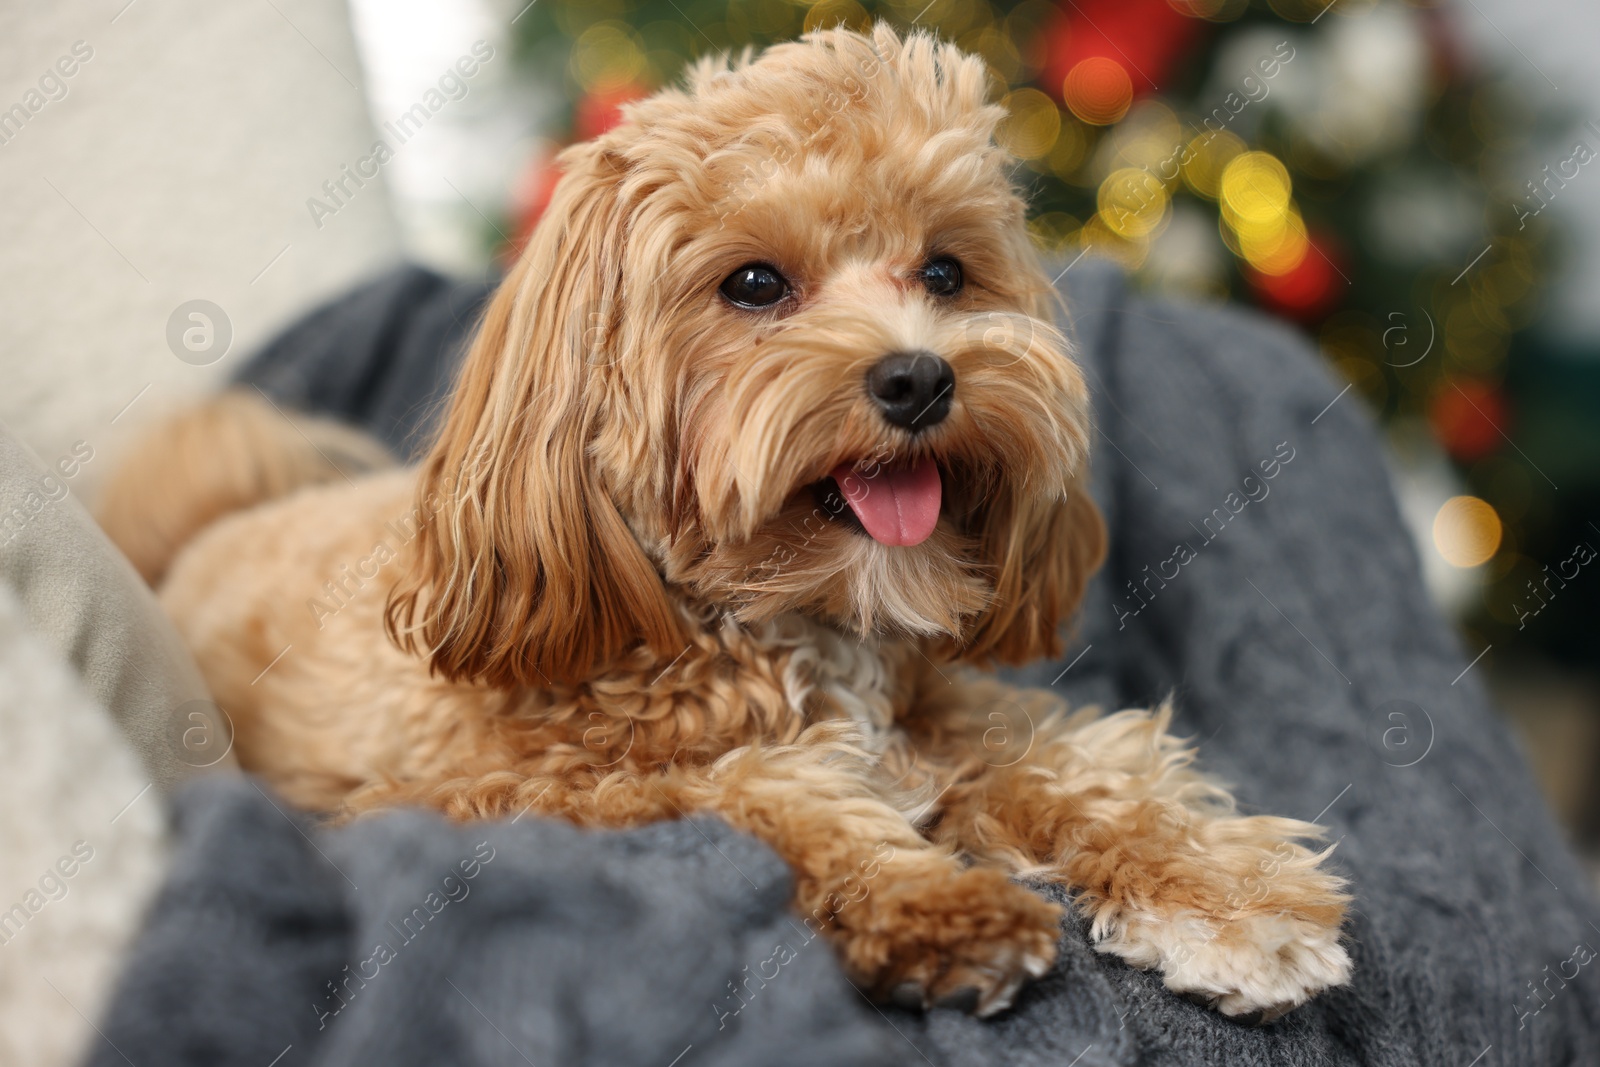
(176, 167)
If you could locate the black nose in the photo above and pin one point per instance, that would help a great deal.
(912, 389)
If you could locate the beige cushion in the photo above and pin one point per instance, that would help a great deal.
(176, 167)
(85, 600)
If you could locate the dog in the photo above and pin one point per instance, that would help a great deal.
(766, 446)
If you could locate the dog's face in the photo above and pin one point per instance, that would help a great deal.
(782, 341)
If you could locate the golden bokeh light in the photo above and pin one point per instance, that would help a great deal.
(1031, 126)
(1261, 223)
(830, 13)
(1207, 157)
(1255, 188)
(1053, 231)
(607, 56)
(1129, 252)
(1098, 91)
(1133, 202)
(1151, 136)
(997, 49)
(1071, 150)
(1274, 246)
(1466, 531)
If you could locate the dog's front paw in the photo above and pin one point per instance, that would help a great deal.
(968, 941)
(1236, 915)
(1252, 967)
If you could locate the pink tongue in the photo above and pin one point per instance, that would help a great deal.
(897, 507)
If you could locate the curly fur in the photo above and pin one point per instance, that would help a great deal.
(610, 595)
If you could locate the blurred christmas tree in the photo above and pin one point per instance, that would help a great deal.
(1341, 164)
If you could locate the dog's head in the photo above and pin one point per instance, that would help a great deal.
(781, 343)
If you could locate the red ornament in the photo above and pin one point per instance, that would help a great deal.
(1144, 37)
(594, 114)
(532, 198)
(1308, 291)
(598, 112)
(1468, 417)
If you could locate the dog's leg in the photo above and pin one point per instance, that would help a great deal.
(1232, 909)
(911, 921)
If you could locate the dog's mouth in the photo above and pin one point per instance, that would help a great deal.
(894, 505)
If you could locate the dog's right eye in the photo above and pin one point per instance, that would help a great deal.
(755, 285)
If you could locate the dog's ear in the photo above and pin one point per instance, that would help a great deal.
(1042, 553)
(525, 572)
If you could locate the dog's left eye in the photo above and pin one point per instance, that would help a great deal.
(942, 276)
(755, 285)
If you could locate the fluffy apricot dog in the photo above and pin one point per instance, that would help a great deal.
(766, 444)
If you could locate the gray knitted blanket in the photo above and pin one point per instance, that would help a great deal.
(1284, 612)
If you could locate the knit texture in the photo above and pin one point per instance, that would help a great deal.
(1304, 658)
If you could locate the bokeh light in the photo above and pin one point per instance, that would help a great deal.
(1032, 124)
(1274, 246)
(607, 56)
(1053, 231)
(1308, 290)
(1098, 90)
(1255, 189)
(1257, 206)
(837, 13)
(1466, 531)
(1071, 151)
(1133, 202)
(1467, 417)
(1338, 171)
(1205, 160)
